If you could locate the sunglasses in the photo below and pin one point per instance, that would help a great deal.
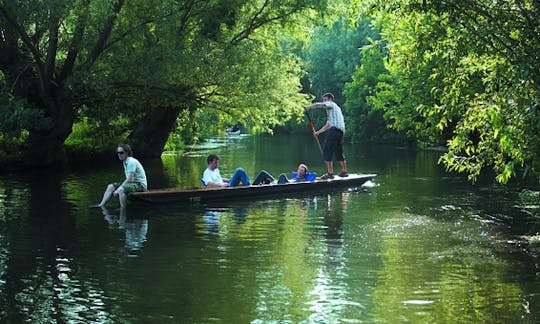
(120, 152)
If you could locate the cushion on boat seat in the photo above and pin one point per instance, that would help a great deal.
(310, 176)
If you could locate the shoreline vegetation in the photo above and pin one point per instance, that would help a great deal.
(76, 78)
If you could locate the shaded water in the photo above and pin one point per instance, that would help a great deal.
(420, 245)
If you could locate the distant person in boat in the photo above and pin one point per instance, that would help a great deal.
(333, 145)
(135, 178)
(212, 176)
(266, 178)
(233, 129)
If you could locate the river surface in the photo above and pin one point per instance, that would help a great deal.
(417, 245)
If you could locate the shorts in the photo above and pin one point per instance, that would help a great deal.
(130, 186)
(333, 146)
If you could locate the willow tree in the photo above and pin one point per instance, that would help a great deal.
(59, 58)
(222, 62)
(468, 69)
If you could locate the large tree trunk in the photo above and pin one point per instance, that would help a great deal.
(150, 135)
(46, 146)
(39, 46)
(45, 143)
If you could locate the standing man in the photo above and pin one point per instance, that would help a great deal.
(333, 145)
(212, 176)
(135, 178)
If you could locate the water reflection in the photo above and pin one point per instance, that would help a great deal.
(331, 297)
(421, 247)
(135, 228)
(211, 218)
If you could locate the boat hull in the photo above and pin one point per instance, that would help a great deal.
(229, 193)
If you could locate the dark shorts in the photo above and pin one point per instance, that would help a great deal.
(130, 187)
(333, 146)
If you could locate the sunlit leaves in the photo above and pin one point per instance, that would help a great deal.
(225, 60)
(464, 68)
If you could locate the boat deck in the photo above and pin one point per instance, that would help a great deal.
(217, 193)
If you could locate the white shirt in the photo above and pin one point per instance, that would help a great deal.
(131, 164)
(335, 116)
(212, 176)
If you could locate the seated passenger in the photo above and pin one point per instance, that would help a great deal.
(300, 175)
(212, 176)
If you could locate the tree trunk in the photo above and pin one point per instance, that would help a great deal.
(150, 135)
(46, 146)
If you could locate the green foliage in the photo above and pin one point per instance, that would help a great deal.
(365, 118)
(333, 54)
(345, 58)
(241, 72)
(461, 72)
(17, 116)
(92, 135)
(103, 62)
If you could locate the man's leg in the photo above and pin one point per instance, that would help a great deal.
(328, 152)
(344, 172)
(329, 167)
(238, 176)
(262, 177)
(244, 177)
(282, 179)
(122, 197)
(340, 157)
(106, 195)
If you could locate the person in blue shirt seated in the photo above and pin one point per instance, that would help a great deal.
(300, 175)
(212, 176)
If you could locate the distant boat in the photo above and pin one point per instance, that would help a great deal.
(241, 192)
(233, 130)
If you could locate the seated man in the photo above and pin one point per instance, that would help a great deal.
(299, 176)
(212, 177)
(135, 178)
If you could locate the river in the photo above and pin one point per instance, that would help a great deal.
(416, 245)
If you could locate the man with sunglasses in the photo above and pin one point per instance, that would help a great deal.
(135, 178)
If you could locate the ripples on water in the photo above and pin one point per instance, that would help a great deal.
(410, 247)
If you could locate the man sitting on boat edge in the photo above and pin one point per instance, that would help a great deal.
(212, 176)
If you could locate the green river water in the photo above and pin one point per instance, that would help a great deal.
(417, 245)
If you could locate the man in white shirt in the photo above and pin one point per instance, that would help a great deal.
(212, 176)
(333, 145)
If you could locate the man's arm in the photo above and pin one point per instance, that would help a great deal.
(318, 105)
(322, 130)
(315, 105)
(215, 184)
(129, 178)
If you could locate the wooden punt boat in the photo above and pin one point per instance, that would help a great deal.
(214, 193)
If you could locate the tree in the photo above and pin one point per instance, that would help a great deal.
(468, 70)
(47, 49)
(333, 54)
(138, 65)
(239, 70)
(365, 121)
